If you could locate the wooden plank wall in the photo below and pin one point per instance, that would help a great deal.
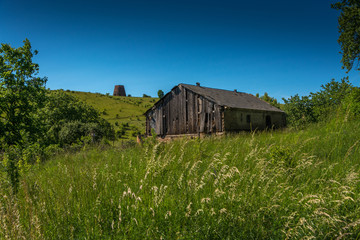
(183, 111)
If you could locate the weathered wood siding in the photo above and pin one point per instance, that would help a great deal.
(184, 112)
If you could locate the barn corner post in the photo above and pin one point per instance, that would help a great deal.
(223, 119)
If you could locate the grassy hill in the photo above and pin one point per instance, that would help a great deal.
(119, 111)
(268, 185)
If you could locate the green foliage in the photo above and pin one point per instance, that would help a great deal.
(299, 110)
(351, 104)
(283, 156)
(10, 165)
(269, 99)
(21, 93)
(120, 132)
(146, 96)
(75, 131)
(329, 97)
(119, 109)
(318, 106)
(134, 131)
(349, 39)
(160, 93)
(267, 185)
(66, 120)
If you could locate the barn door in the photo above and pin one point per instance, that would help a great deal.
(164, 125)
(268, 122)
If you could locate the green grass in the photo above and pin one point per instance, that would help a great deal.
(268, 185)
(118, 109)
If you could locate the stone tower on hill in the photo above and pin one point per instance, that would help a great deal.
(119, 90)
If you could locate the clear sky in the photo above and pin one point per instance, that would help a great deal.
(280, 47)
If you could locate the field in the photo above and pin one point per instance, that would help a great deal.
(119, 110)
(268, 185)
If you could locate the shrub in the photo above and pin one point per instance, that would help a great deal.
(329, 97)
(120, 132)
(66, 119)
(352, 103)
(299, 110)
(320, 105)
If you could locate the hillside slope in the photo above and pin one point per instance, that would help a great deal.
(118, 110)
(268, 185)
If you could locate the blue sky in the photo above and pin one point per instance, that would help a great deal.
(280, 47)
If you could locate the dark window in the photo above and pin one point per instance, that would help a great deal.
(248, 119)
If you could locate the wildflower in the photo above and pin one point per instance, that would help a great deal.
(205, 200)
(223, 210)
(168, 214)
(199, 211)
(188, 210)
(153, 212)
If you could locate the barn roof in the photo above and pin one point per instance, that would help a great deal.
(232, 99)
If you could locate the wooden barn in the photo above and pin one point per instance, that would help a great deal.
(189, 109)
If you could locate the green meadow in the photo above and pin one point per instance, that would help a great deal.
(70, 168)
(286, 184)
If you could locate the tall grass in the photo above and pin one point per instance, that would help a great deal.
(267, 185)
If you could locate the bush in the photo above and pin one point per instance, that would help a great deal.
(120, 132)
(329, 97)
(352, 103)
(299, 110)
(66, 120)
(320, 105)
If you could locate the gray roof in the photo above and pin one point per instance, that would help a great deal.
(231, 99)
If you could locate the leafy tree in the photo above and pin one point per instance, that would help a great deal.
(329, 97)
(320, 105)
(21, 93)
(269, 99)
(299, 110)
(351, 103)
(160, 93)
(349, 39)
(146, 96)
